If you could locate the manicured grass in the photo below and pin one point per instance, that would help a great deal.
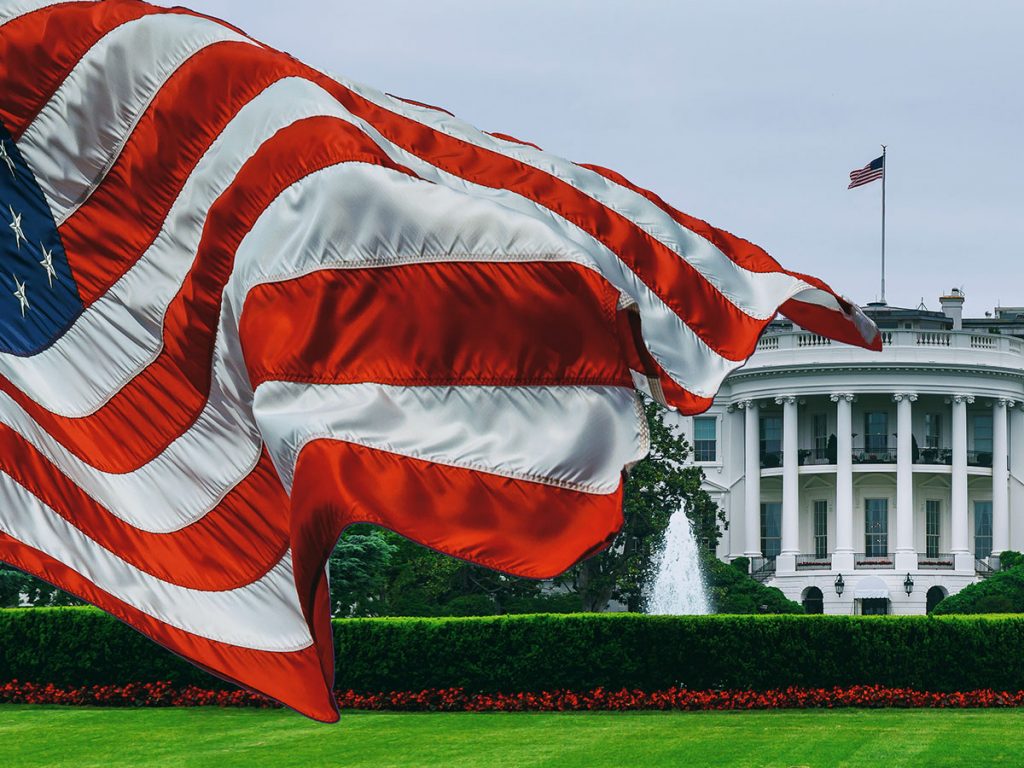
(196, 738)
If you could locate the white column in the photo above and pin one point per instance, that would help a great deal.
(790, 487)
(959, 538)
(906, 558)
(842, 558)
(752, 478)
(1016, 473)
(1000, 476)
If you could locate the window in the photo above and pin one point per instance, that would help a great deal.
(876, 432)
(932, 430)
(705, 444)
(874, 606)
(932, 512)
(771, 528)
(821, 529)
(982, 529)
(876, 527)
(820, 423)
(771, 440)
(983, 433)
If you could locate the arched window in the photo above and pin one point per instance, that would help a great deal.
(813, 600)
(934, 597)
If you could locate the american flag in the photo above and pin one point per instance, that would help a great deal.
(244, 305)
(870, 172)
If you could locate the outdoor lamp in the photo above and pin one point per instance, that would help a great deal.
(840, 585)
(908, 584)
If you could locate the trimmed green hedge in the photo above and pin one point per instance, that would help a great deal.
(73, 646)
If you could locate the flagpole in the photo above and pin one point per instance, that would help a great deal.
(883, 223)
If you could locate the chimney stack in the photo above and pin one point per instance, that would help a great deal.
(953, 307)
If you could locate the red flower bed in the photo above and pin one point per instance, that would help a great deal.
(458, 700)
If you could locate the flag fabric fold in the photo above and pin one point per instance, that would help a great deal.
(246, 304)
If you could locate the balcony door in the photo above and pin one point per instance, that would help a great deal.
(982, 529)
(771, 528)
(876, 527)
(876, 432)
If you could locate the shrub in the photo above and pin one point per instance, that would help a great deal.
(75, 647)
(1002, 592)
(1010, 559)
(741, 564)
(734, 591)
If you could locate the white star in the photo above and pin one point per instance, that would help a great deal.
(47, 264)
(16, 226)
(6, 158)
(20, 295)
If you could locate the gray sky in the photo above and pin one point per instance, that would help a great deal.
(747, 114)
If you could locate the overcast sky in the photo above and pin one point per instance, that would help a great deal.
(748, 114)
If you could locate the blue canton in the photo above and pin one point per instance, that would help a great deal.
(38, 296)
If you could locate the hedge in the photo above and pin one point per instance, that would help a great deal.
(579, 652)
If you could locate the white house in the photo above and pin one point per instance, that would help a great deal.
(873, 482)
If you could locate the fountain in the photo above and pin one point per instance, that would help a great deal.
(676, 585)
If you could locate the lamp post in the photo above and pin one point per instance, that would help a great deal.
(908, 585)
(840, 585)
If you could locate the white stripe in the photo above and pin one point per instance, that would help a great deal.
(12, 9)
(264, 615)
(352, 215)
(578, 438)
(75, 138)
(122, 332)
(757, 294)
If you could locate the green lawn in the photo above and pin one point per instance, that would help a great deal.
(81, 737)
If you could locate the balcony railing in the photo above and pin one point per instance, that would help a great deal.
(865, 561)
(938, 562)
(813, 562)
(985, 567)
(884, 454)
(983, 342)
(877, 453)
(762, 568)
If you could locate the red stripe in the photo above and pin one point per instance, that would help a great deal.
(295, 679)
(522, 323)
(122, 218)
(170, 393)
(515, 526)
(826, 322)
(514, 140)
(751, 257)
(723, 327)
(234, 544)
(39, 50)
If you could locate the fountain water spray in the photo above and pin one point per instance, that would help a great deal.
(677, 585)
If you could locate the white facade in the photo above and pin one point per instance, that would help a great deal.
(895, 470)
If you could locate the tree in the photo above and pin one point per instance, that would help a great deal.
(657, 487)
(357, 571)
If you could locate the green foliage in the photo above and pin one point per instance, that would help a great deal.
(656, 487)
(733, 591)
(1002, 592)
(741, 564)
(82, 646)
(1009, 559)
(17, 586)
(10, 588)
(357, 571)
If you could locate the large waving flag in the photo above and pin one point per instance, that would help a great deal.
(244, 304)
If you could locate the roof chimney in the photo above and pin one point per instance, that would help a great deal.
(953, 307)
